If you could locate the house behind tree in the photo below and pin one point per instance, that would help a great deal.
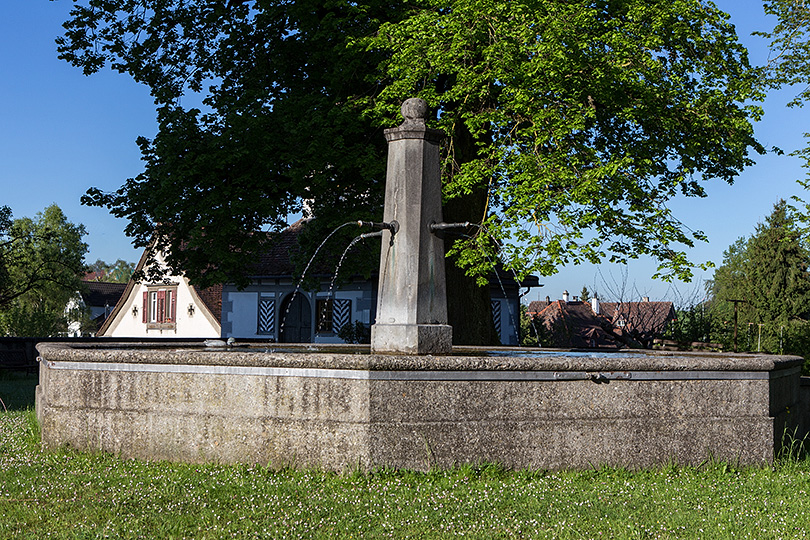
(271, 306)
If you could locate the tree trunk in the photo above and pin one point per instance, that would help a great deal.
(469, 308)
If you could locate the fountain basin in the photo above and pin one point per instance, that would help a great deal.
(350, 409)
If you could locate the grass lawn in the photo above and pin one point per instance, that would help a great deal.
(72, 495)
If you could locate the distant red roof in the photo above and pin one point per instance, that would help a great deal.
(639, 317)
(537, 306)
(575, 325)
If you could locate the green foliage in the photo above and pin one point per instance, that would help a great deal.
(777, 264)
(692, 323)
(67, 494)
(528, 334)
(788, 66)
(584, 295)
(790, 47)
(768, 275)
(533, 333)
(41, 264)
(118, 272)
(279, 126)
(569, 124)
(355, 332)
(730, 283)
(585, 118)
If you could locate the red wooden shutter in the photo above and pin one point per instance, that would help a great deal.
(145, 307)
(161, 306)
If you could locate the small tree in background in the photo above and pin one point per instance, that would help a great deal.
(533, 333)
(692, 324)
(355, 332)
(41, 264)
(584, 295)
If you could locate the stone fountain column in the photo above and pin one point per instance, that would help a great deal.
(411, 296)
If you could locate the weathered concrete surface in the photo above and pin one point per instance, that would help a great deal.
(347, 410)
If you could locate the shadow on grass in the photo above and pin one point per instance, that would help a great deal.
(17, 390)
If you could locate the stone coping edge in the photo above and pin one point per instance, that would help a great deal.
(423, 375)
(193, 354)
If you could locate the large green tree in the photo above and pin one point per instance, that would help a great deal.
(767, 275)
(41, 265)
(777, 270)
(569, 124)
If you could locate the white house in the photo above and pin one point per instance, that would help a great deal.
(97, 299)
(170, 308)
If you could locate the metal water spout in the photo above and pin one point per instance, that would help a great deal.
(392, 226)
(411, 295)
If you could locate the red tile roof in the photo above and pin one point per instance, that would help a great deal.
(643, 317)
(575, 325)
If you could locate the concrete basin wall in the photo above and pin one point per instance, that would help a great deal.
(345, 410)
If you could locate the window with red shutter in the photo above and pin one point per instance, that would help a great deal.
(160, 307)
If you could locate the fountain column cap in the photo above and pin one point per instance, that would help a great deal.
(415, 114)
(414, 111)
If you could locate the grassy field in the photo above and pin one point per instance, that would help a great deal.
(72, 495)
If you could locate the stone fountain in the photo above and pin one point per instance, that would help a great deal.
(409, 403)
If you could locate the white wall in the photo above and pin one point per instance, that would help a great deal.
(197, 325)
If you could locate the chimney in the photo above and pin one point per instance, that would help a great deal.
(595, 304)
(565, 296)
(548, 299)
(645, 298)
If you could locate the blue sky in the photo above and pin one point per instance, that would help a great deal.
(63, 132)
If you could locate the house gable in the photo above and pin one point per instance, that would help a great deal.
(170, 308)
